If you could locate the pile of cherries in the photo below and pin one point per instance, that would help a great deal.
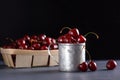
(73, 36)
(33, 42)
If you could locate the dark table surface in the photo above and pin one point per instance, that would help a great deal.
(53, 73)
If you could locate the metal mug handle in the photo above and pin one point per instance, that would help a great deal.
(49, 53)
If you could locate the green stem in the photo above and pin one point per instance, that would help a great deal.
(88, 54)
(91, 33)
(64, 28)
(9, 39)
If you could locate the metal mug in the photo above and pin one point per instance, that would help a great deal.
(70, 56)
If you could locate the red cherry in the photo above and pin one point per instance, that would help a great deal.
(111, 64)
(44, 47)
(35, 37)
(70, 38)
(62, 39)
(21, 41)
(23, 46)
(83, 66)
(26, 37)
(53, 41)
(92, 65)
(53, 46)
(81, 39)
(41, 37)
(36, 46)
(74, 32)
(67, 38)
(47, 41)
(31, 48)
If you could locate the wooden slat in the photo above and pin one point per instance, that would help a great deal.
(5, 59)
(9, 57)
(23, 61)
(52, 61)
(40, 60)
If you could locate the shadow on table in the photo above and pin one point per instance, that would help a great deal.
(2, 65)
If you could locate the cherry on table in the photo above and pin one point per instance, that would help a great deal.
(92, 65)
(111, 64)
(83, 66)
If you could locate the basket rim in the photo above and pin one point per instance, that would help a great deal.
(24, 51)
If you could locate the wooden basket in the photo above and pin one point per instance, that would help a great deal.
(18, 58)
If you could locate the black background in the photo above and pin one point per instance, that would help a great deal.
(20, 17)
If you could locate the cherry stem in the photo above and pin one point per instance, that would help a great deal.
(9, 39)
(92, 33)
(88, 54)
(64, 28)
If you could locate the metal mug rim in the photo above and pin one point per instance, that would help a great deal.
(71, 44)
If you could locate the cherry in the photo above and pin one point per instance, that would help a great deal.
(44, 47)
(73, 32)
(66, 38)
(70, 38)
(41, 37)
(21, 41)
(53, 41)
(23, 46)
(54, 46)
(63, 39)
(31, 48)
(26, 37)
(81, 39)
(36, 46)
(111, 64)
(83, 66)
(34, 37)
(92, 65)
(60, 39)
(47, 41)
